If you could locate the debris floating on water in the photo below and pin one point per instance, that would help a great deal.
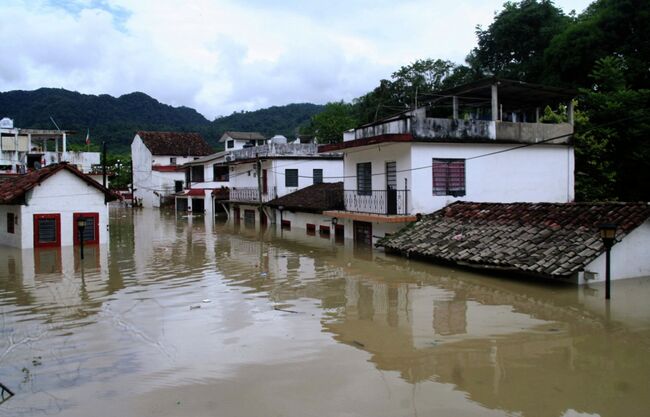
(286, 311)
(207, 300)
(194, 307)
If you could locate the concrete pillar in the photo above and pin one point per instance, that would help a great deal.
(495, 103)
(454, 104)
(569, 112)
(64, 143)
(536, 114)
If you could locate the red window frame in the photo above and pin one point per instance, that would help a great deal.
(57, 223)
(311, 229)
(75, 234)
(324, 231)
(285, 225)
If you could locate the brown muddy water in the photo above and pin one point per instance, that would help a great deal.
(298, 325)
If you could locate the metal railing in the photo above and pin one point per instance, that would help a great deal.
(250, 195)
(387, 202)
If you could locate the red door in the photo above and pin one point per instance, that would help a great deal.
(47, 230)
(91, 231)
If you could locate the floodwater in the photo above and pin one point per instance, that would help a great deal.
(181, 317)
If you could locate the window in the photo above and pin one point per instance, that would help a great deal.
(449, 177)
(172, 161)
(291, 177)
(311, 229)
(11, 223)
(220, 173)
(364, 178)
(197, 173)
(285, 225)
(260, 142)
(47, 230)
(91, 230)
(249, 218)
(324, 230)
(230, 144)
(318, 176)
(178, 186)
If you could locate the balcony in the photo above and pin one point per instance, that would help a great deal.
(250, 195)
(386, 206)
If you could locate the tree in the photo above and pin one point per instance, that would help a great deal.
(328, 126)
(513, 45)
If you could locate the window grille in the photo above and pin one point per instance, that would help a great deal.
(448, 177)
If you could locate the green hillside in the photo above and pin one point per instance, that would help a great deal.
(115, 120)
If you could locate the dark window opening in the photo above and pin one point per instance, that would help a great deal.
(230, 144)
(198, 205)
(449, 177)
(47, 230)
(339, 233)
(286, 225)
(318, 176)
(311, 229)
(249, 218)
(291, 177)
(11, 223)
(364, 178)
(197, 173)
(220, 173)
(178, 186)
(172, 161)
(324, 231)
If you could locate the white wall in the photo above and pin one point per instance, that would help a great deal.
(400, 153)
(630, 258)
(332, 172)
(541, 173)
(10, 239)
(63, 193)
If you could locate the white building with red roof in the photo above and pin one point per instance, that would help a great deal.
(42, 208)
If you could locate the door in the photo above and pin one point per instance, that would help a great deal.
(391, 187)
(249, 218)
(47, 230)
(235, 215)
(362, 233)
(263, 219)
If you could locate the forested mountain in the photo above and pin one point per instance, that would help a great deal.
(115, 120)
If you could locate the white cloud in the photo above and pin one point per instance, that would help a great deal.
(227, 55)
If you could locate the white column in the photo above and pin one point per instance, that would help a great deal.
(495, 103)
(454, 104)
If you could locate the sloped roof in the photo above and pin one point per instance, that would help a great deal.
(205, 159)
(242, 136)
(13, 188)
(175, 143)
(547, 239)
(313, 199)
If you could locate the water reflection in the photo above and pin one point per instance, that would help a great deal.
(196, 318)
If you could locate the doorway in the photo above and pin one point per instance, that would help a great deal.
(391, 187)
(362, 233)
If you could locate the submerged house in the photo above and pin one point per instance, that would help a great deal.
(41, 208)
(483, 141)
(204, 177)
(158, 159)
(263, 173)
(549, 240)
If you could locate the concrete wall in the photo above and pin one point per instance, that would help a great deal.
(541, 173)
(629, 258)
(378, 156)
(63, 193)
(11, 239)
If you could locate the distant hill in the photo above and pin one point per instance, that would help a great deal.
(115, 120)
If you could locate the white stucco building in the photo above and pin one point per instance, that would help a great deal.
(233, 141)
(206, 180)
(283, 168)
(157, 164)
(22, 150)
(41, 208)
(491, 147)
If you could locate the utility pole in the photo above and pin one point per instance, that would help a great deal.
(258, 168)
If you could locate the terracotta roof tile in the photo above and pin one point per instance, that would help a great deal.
(548, 239)
(313, 199)
(14, 187)
(175, 143)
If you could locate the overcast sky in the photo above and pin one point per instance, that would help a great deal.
(220, 56)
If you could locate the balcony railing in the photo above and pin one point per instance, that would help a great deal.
(387, 202)
(250, 195)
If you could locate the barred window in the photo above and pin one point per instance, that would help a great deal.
(290, 177)
(364, 178)
(449, 177)
(318, 176)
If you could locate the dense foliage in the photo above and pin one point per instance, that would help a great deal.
(115, 120)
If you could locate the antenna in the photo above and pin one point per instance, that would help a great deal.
(57, 126)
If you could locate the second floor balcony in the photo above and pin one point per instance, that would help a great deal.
(250, 195)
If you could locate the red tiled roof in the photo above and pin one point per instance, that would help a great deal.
(13, 189)
(547, 239)
(166, 168)
(175, 143)
(313, 199)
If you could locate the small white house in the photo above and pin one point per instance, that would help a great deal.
(203, 177)
(41, 208)
(233, 141)
(490, 147)
(158, 159)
